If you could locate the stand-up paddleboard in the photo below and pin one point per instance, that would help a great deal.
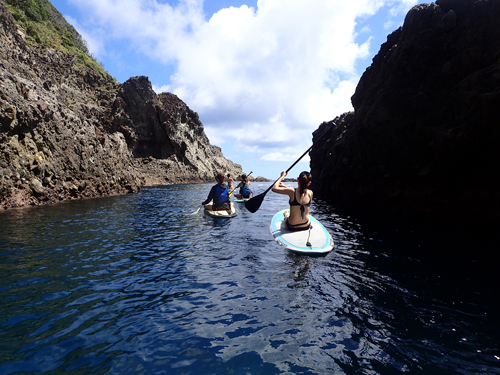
(314, 241)
(241, 200)
(222, 213)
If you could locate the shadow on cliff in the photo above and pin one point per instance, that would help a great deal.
(422, 142)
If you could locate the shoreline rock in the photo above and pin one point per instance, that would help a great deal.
(69, 132)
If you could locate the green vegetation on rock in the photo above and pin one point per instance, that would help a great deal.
(44, 26)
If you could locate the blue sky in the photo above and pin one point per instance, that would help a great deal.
(262, 75)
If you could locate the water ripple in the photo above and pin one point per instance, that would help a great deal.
(138, 285)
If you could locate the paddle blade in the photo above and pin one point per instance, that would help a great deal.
(194, 213)
(254, 203)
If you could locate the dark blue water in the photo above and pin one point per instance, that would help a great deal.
(137, 285)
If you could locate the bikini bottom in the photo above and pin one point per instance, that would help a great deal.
(295, 227)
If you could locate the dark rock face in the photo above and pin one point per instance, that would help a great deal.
(423, 137)
(68, 132)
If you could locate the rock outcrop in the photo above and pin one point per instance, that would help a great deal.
(423, 137)
(68, 131)
(164, 135)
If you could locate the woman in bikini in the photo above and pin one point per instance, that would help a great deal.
(229, 182)
(300, 201)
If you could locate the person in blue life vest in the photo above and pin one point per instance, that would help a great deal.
(219, 195)
(300, 201)
(244, 186)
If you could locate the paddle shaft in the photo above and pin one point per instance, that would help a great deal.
(288, 170)
(296, 161)
(254, 203)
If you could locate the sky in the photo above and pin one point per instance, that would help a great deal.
(262, 74)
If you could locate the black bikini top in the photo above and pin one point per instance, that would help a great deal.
(296, 203)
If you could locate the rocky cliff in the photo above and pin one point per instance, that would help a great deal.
(423, 137)
(68, 130)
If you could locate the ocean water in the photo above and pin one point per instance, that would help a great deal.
(137, 284)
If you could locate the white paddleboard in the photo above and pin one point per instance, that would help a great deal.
(321, 242)
(222, 213)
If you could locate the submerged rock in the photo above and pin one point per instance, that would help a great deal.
(423, 137)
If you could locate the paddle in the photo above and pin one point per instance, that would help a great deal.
(254, 203)
(198, 210)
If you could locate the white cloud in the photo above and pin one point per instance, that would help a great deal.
(94, 44)
(249, 69)
(160, 89)
(287, 157)
(263, 76)
(400, 7)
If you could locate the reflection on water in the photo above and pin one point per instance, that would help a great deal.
(138, 285)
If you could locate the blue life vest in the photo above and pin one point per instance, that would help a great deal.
(245, 190)
(222, 193)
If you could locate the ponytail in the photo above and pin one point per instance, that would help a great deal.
(304, 179)
(220, 177)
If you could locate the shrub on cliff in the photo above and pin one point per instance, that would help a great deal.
(44, 26)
